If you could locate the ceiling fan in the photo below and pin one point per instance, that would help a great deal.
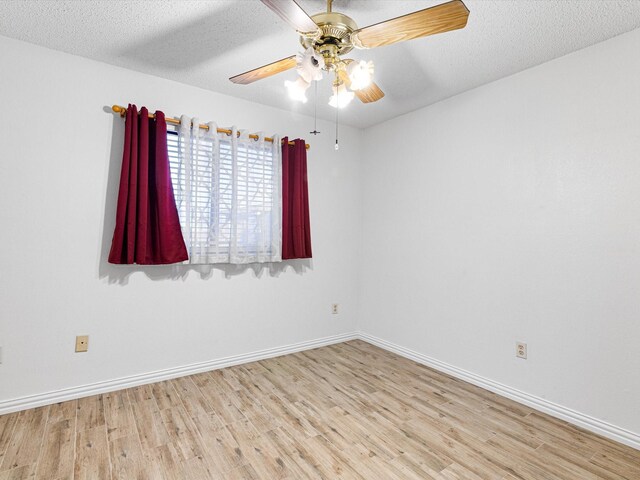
(327, 36)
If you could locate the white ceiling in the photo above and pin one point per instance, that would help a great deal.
(202, 43)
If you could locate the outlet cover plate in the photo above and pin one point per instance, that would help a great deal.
(82, 343)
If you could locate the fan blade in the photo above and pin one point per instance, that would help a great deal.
(369, 94)
(265, 71)
(293, 14)
(441, 18)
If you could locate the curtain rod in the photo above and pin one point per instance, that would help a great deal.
(122, 111)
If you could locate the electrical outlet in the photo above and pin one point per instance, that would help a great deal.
(334, 308)
(521, 350)
(82, 343)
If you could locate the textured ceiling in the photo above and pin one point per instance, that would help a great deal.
(203, 43)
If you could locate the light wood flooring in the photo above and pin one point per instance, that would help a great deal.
(348, 411)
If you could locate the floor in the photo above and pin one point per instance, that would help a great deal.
(347, 411)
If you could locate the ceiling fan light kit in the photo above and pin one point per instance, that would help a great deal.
(297, 89)
(360, 74)
(341, 96)
(310, 65)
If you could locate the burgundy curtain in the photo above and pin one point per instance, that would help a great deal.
(147, 228)
(296, 231)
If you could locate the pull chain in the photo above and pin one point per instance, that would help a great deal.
(315, 111)
(337, 109)
(337, 144)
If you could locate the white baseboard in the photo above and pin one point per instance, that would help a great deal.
(38, 400)
(576, 418)
(585, 421)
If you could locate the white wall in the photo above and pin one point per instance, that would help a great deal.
(61, 154)
(512, 212)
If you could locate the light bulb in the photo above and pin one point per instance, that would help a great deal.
(341, 96)
(297, 89)
(360, 74)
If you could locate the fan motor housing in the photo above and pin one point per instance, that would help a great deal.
(334, 40)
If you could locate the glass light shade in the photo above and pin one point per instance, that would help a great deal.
(309, 65)
(360, 74)
(341, 96)
(297, 89)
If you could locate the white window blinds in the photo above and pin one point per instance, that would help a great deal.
(228, 194)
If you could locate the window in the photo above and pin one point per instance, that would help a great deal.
(228, 196)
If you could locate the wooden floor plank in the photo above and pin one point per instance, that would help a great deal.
(58, 447)
(129, 462)
(26, 440)
(151, 429)
(90, 412)
(349, 411)
(624, 464)
(92, 454)
(165, 395)
(182, 432)
(118, 415)
(20, 473)
(7, 425)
